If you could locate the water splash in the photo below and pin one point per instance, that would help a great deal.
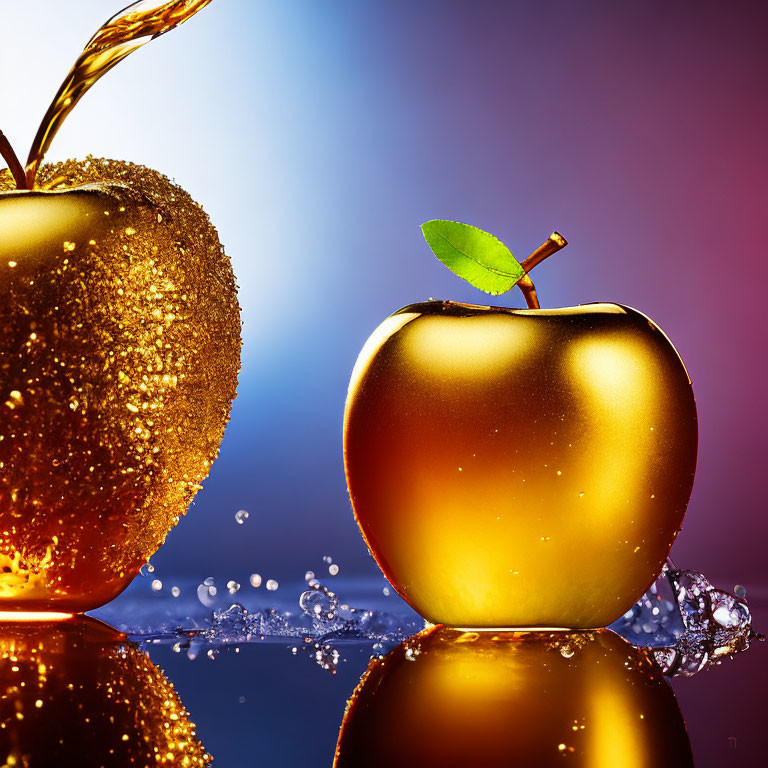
(688, 622)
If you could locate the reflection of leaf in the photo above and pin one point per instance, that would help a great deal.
(473, 254)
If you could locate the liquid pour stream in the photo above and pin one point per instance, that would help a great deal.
(122, 34)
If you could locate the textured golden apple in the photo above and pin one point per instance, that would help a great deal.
(451, 699)
(520, 468)
(118, 366)
(78, 693)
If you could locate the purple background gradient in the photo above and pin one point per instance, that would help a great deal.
(320, 135)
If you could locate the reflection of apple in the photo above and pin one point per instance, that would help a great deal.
(520, 468)
(118, 366)
(78, 693)
(452, 699)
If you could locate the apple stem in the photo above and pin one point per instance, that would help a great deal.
(14, 166)
(551, 245)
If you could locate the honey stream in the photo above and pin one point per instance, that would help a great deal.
(122, 34)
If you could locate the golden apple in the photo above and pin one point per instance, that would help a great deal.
(451, 699)
(519, 468)
(78, 693)
(118, 367)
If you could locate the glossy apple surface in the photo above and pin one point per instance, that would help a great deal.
(118, 365)
(520, 468)
(78, 693)
(449, 699)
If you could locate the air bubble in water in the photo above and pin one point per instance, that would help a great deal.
(320, 604)
(255, 580)
(209, 581)
(175, 591)
(333, 569)
(327, 559)
(308, 576)
(241, 516)
(327, 657)
(232, 587)
(157, 585)
(272, 585)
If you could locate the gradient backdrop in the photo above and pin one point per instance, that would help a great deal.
(319, 135)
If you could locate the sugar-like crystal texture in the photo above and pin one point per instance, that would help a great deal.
(119, 356)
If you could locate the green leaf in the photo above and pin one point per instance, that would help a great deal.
(473, 254)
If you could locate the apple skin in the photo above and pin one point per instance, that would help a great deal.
(90, 697)
(118, 366)
(519, 468)
(490, 700)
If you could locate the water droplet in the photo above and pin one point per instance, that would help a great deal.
(241, 516)
(232, 586)
(255, 580)
(308, 576)
(319, 603)
(157, 585)
(209, 581)
(272, 585)
(333, 569)
(204, 596)
(175, 591)
(386, 591)
(327, 559)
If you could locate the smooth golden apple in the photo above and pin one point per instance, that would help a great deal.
(519, 468)
(78, 693)
(118, 366)
(450, 700)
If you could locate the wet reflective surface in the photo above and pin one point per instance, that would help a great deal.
(77, 688)
(448, 698)
(266, 680)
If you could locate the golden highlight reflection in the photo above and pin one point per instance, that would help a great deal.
(489, 700)
(78, 693)
(514, 468)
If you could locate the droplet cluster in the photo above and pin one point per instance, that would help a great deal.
(118, 366)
